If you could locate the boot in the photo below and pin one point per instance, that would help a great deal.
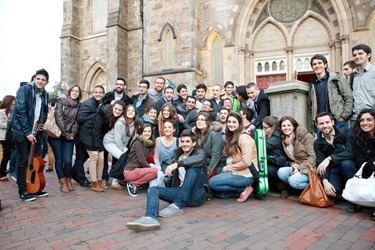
(95, 187)
(63, 186)
(101, 184)
(69, 183)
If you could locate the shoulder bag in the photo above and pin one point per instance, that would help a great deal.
(50, 127)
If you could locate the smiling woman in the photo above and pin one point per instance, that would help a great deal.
(31, 43)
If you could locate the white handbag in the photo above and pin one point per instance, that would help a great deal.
(359, 190)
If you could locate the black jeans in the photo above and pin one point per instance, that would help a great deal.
(22, 146)
(81, 157)
(8, 147)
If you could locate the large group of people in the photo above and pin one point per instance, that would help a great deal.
(189, 148)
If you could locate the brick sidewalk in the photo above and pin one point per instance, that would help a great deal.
(87, 220)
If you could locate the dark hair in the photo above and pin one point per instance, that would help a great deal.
(169, 87)
(143, 127)
(228, 83)
(272, 122)
(202, 134)
(42, 72)
(23, 83)
(222, 108)
(232, 137)
(360, 136)
(6, 103)
(323, 114)
(100, 86)
(249, 114)
(227, 99)
(144, 81)
(79, 94)
(180, 87)
(210, 101)
(363, 47)
(121, 79)
(241, 91)
(52, 101)
(351, 64)
(292, 121)
(189, 133)
(128, 122)
(319, 57)
(153, 107)
(201, 86)
(111, 118)
(191, 97)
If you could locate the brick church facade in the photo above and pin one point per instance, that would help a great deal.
(204, 41)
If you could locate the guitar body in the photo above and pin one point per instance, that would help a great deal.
(35, 181)
(262, 187)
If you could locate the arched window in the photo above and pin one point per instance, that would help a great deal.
(267, 67)
(306, 64)
(274, 66)
(217, 61)
(298, 64)
(168, 49)
(259, 67)
(282, 65)
(99, 15)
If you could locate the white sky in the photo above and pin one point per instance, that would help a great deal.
(29, 40)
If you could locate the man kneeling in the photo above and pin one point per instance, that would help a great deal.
(189, 166)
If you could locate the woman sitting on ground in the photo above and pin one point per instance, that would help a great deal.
(241, 153)
(298, 145)
(138, 171)
(364, 144)
(117, 140)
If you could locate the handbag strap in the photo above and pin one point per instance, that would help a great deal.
(216, 164)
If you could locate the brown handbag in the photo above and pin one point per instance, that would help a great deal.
(314, 194)
(213, 172)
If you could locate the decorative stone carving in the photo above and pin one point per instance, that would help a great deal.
(287, 11)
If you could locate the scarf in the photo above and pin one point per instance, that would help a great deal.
(148, 143)
(289, 142)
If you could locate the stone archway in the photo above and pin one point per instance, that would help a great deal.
(95, 76)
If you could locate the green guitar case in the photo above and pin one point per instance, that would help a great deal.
(261, 185)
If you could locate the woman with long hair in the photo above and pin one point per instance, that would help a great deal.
(167, 113)
(276, 157)
(241, 153)
(91, 137)
(116, 141)
(138, 170)
(66, 108)
(6, 108)
(298, 145)
(364, 144)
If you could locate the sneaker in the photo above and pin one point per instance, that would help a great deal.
(245, 194)
(170, 211)
(27, 197)
(143, 224)
(49, 170)
(132, 190)
(41, 194)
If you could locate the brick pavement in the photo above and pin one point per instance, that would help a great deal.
(87, 220)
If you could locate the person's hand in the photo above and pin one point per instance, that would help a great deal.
(225, 169)
(170, 168)
(31, 138)
(180, 118)
(294, 169)
(328, 188)
(323, 166)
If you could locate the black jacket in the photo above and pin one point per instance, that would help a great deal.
(145, 105)
(110, 96)
(275, 153)
(365, 154)
(262, 108)
(87, 110)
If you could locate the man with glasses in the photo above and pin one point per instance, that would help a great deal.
(118, 93)
(142, 101)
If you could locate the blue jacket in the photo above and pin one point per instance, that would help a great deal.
(22, 120)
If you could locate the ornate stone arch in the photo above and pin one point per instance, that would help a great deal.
(96, 75)
(251, 37)
(165, 26)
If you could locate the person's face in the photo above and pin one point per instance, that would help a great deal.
(187, 144)
(287, 128)
(266, 128)
(207, 106)
(229, 89)
(367, 123)
(40, 81)
(166, 113)
(120, 86)
(98, 94)
(14, 103)
(168, 128)
(223, 114)
(232, 124)
(201, 122)
(318, 66)
(190, 103)
(216, 91)
(74, 93)
(168, 94)
(346, 70)
(227, 104)
(147, 133)
(159, 84)
(360, 57)
(325, 124)
(152, 114)
(252, 92)
(183, 93)
(142, 88)
(117, 110)
(130, 112)
(200, 93)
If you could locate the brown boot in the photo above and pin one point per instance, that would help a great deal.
(101, 184)
(63, 186)
(95, 187)
(69, 183)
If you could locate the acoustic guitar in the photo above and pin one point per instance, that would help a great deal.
(35, 181)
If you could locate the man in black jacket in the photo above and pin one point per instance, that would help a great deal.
(334, 154)
(188, 170)
(261, 107)
(118, 93)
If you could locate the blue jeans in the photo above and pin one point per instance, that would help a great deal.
(190, 194)
(297, 181)
(338, 175)
(63, 152)
(227, 184)
(13, 163)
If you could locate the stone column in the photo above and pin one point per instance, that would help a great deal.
(252, 77)
(241, 65)
(345, 50)
(290, 66)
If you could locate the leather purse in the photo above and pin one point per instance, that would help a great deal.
(211, 173)
(314, 194)
(50, 127)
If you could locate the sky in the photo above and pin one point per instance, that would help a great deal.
(30, 40)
